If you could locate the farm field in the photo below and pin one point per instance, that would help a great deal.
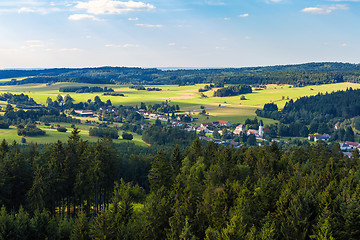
(188, 98)
(52, 135)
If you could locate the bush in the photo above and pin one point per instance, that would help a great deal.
(127, 136)
(104, 132)
(23, 140)
(61, 129)
(30, 131)
(4, 125)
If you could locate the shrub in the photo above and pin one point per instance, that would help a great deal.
(61, 129)
(4, 125)
(23, 140)
(104, 132)
(127, 136)
(30, 131)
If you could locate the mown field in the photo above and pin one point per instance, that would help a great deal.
(188, 97)
(52, 135)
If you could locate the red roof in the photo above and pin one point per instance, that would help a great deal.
(355, 144)
(223, 122)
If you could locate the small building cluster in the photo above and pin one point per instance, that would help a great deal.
(317, 137)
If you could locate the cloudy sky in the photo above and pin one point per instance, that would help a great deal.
(177, 33)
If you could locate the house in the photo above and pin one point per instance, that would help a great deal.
(199, 129)
(216, 124)
(163, 118)
(84, 113)
(176, 124)
(184, 118)
(190, 128)
(345, 147)
(206, 125)
(224, 123)
(348, 154)
(237, 131)
(324, 137)
(153, 115)
(240, 127)
(235, 144)
(206, 138)
(253, 131)
(353, 145)
(147, 113)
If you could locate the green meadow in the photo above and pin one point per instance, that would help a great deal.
(52, 135)
(187, 97)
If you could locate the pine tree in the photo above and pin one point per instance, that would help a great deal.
(161, 174)
(81, 228)
(176, 160)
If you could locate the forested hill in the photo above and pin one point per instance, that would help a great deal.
(298, 75)
(81, 191)
(321, 107)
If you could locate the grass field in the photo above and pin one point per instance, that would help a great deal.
(52, 135)
(188, 97)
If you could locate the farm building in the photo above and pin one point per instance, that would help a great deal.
(84, 113)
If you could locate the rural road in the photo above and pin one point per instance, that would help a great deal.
(197, 110)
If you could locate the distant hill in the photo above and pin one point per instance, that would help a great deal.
(298, 75)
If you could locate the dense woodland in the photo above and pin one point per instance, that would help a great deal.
(321, 107)
(85, 89)
(298, 75)
(76, 191)
(233, 90)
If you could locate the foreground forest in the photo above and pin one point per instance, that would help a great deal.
(297, 75)
(80, 190)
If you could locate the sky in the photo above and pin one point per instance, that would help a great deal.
(174, 33)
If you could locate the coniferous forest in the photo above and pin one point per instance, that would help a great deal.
(297, 75)
(78, 190)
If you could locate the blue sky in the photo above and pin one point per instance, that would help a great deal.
(174, 33)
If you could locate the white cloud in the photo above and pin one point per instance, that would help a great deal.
(127, 45)
(171, 44)
(69, 49)
(244, 15)
(227, 19)
(133, 19)
(273, 1)
(149, 25)
(37, 10)
(321, 10)
(79, 17)
(215, 2)
(130, 45)
(113, 6)
(25, 10)
(344, 45)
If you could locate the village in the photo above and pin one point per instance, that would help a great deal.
(206, 130)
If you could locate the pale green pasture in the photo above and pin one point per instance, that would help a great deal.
(52, 135)
(187, 97)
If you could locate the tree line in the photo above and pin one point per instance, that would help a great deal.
(204, 192)
(297, 75)
(85, 89)
(233, 90)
